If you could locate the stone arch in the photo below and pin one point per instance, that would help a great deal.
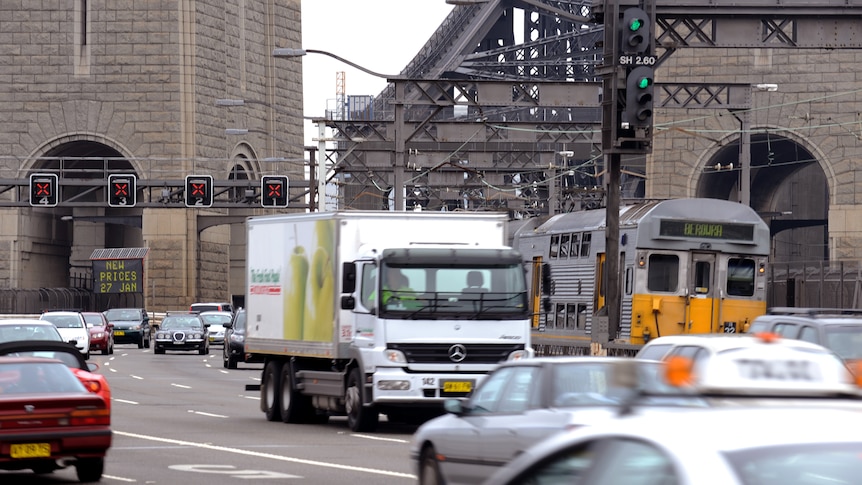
(790, 187)
(70, 234)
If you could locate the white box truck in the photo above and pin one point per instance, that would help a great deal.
(369, 313)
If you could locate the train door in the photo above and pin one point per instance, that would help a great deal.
(702, 302)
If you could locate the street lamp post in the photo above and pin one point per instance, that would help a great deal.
(399, 161)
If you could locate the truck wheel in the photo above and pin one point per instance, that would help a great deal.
(269, 391)
(295, 407)
(359, 417)
(429, 469)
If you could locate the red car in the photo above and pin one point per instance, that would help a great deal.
(101, 332)
(67, 354)
(48, 420)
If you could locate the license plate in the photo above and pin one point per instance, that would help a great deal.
(31, 450)
(119, 332)
(457, 386)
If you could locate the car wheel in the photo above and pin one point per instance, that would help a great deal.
(87, 355)
(159, 350)
(141, 342)
(112, 349)
(359, 417)
(204, 350)
(90, 469)
(228, 359)
(147, 341)
(269, 391)
(429, 468)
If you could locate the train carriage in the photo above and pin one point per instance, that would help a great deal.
(686, 266)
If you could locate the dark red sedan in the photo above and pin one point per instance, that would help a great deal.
(101, 332)
(48, 420)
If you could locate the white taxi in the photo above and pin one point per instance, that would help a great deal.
(781, 414)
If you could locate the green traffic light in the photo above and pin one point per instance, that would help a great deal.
(643, 82)
(636, 24)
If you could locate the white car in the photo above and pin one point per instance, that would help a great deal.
(778, 415)
(815, 445)
(72, 328)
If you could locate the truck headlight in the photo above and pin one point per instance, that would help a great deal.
(519, 355)
(395, 356)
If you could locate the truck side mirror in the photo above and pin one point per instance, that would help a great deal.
(348, 278)
(348, 302)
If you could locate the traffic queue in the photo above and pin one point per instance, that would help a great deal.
(728, 409)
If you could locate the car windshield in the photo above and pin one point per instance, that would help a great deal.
(805, 464)
(94, 320)
(64, 321)
(37, 377)
(216, 319)
(39, 331)
(174, 323)
(123, 315)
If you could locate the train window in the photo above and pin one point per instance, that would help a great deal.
(564, 246)
(555, 246)
(571, 317)
(560, 316)
(663, 274)
(576, 240)
(701, 277)
(629, 280)
(585, 244)
(740, 277)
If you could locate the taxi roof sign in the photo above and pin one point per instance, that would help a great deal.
(764, 366)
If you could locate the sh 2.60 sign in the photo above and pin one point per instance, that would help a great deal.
(636, 60)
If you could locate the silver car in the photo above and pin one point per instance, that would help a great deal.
(521, 403)
(217, 322)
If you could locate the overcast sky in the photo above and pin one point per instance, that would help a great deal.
(380, 35)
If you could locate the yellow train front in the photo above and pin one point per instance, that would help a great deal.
(687, 266)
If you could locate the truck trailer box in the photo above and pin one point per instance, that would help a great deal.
(294, 266)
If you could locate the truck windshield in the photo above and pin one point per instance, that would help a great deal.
(460, 292)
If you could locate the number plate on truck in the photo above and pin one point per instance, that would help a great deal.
(30, 450)
(457, 386)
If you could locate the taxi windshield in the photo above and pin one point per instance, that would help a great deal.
(800, 464)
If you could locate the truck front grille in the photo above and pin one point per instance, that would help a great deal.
(444, 353)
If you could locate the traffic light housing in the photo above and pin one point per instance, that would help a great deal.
(44, 190)
(639, 98)
(273, 191)
(634, 32)
(199, 191)
(122, 190)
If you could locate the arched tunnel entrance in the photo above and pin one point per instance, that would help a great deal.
(788, 189)
(64, 237)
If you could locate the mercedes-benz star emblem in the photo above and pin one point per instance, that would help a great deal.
(457, 353)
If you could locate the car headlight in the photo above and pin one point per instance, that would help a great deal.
(236, 338)
(163, 335)
(135, 327)
(98, 335)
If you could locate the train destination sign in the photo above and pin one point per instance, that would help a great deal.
(706, 230)
(118, 275)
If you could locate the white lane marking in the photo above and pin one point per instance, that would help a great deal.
(232, 471)
(207, 414)
(268, 455)
(124, 401)
(122, 479)
(112, 369)
(378, 438)
(137, 377)
(181, 386)
(251, 397)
